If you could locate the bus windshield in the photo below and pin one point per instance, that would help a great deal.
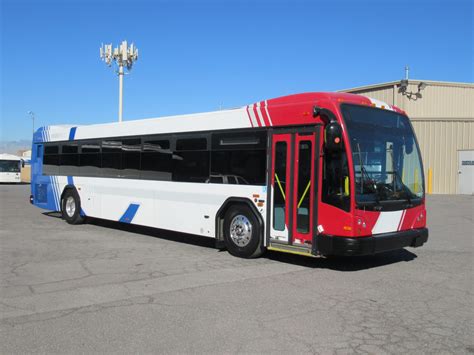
(9, 166)
(387, 165)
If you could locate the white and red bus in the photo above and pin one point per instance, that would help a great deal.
(313, 174)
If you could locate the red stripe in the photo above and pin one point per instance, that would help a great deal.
(248, 114)
(401, 220)
(256, 116)
(264, 114)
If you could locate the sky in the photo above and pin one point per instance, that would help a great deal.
(197, 56)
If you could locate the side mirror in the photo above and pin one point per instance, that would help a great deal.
(333, 137)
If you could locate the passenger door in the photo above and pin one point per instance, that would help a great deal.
(292, 187)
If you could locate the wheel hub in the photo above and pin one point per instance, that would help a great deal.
(240, 230)
(70, 206)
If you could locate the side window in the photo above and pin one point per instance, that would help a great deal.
(156, 159)
(215, 179)
(249, 165)
(191, 144)
(279, 204)
(241, 157)
(69, 159)
(111, 157)
(90, 160)
(191, 160)
(131, 149)
(51, 159)
(335, 187)
(303, 208)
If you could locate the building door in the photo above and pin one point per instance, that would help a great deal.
(466, 171)
(292, 187)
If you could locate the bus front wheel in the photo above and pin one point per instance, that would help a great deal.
(242, 232)
(71, 207)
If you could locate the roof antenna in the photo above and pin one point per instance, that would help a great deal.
(407, 69)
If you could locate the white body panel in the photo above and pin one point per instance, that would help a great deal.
(177, 206)
(388, 222)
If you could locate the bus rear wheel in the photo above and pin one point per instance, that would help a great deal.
(71, 207)
(242, 233)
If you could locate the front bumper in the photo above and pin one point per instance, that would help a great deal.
(333, 245)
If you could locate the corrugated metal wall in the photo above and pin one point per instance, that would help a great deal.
(444, 123)
(439, 101)
(439, 142)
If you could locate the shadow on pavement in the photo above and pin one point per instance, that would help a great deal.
(344, 263)
(348, 263)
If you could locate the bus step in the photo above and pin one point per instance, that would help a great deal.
(292, 249)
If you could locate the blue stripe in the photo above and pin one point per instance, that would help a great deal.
(129, 213)
(70, 181)
(72, 133)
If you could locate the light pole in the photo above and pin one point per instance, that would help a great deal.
(122, 55)
(32, 116)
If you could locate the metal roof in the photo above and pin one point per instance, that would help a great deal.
(410, 81)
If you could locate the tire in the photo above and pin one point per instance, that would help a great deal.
(71, 207)
(242, 232)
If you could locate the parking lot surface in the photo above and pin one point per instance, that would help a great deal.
(107, 287)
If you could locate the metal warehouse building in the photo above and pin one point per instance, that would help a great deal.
(442, 114)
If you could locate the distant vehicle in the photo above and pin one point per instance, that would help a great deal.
(312, 174)
(226, 179)
(10, 168)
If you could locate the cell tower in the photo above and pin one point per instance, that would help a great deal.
(122, 55)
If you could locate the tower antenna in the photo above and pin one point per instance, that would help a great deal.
(122, 55)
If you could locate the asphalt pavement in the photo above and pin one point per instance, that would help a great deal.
(108, 287)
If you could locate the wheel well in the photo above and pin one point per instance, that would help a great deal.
(234, 201)
(67, 188)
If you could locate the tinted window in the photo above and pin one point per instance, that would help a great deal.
(51, 164)
(89, 164)
(70, 148)
(335, 189)
(191, 144)
(247, 164)
(216, 179)
(242, 181)
(111, 145)
(69, 164)
(304, 186)
(155, 145)
(191, 166)
(111, 164)
(51, 149)
(131, 158)
(156, 160)
(90, 147)
(279, 187)
(239, 140)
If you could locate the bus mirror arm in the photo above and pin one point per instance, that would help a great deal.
(332, 130)
(326, 115)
